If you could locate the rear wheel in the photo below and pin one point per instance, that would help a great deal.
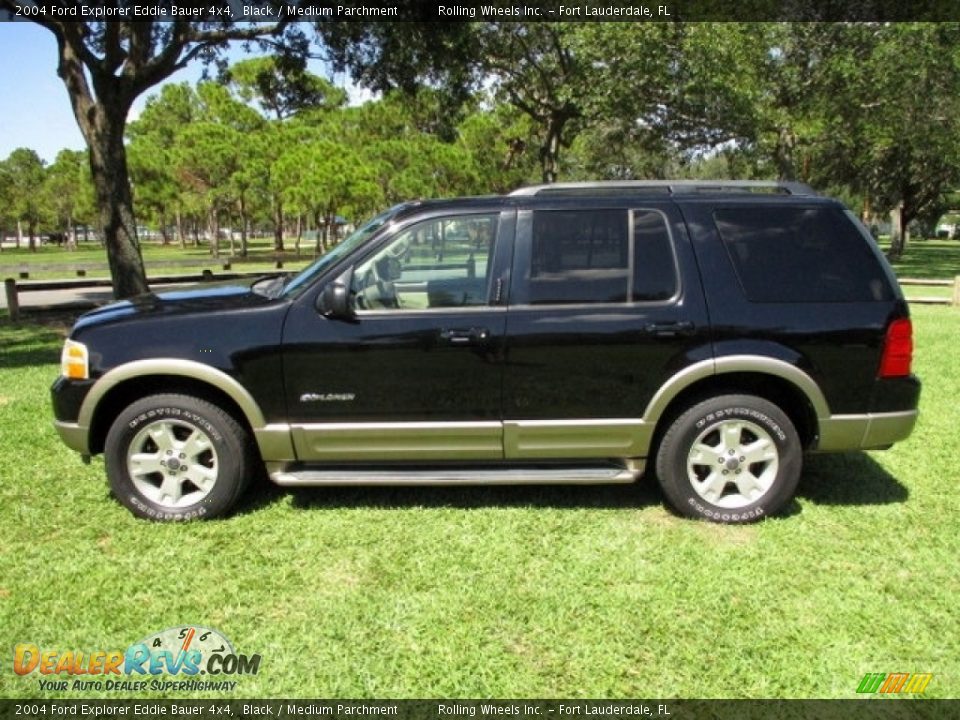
(176, 457)
(730, 459)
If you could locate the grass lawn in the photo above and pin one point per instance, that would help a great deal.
(936, 259)
(500, 592)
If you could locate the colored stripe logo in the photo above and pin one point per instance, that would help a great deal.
(892, 683)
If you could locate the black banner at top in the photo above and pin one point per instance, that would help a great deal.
(490, 10)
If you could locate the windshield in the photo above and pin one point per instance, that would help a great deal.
(355, 239)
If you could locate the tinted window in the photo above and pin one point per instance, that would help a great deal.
(590, 256)
(800, 254)
(654, 270)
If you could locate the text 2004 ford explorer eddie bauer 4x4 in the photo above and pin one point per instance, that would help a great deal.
(561, 334)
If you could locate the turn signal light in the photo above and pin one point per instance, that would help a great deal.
(74, 361)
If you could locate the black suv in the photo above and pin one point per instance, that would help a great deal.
(566, 333)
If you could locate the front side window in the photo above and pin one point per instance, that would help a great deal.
(438, 263)
(597, 256)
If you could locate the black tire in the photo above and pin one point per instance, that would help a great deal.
(207, 449)
(702, 479)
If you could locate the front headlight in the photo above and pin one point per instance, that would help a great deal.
(74, 361)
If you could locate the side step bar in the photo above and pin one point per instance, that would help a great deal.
(578, 475)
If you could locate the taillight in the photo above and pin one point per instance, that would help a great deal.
(897, 349)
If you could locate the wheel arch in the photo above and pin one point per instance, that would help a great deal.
(128, 383)
(785, 385)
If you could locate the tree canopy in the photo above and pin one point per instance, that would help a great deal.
(867, 111)
(105, 66)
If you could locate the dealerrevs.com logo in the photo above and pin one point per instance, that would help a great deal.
(184, 653)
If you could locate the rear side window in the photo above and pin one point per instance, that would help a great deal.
(598, 256)
(800, 254)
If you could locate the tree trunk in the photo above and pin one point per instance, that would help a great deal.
(213, 225)
(278, 225)
(898, 236)
(330, 231)
(111, 181)
(243, 227)
(784, 155)
(19, 233)
(181, 236)
(32, 229)
(550, 150)
(164, 234)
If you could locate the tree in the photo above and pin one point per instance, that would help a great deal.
(153, 139)
(105, 66)
(564, 77)
(529, 65)
(890, 101)
(67, 193)
(284, 89)
(281, 86)
(26, 173)
(497, 141)
(7, 217)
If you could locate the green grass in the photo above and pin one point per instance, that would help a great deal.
(929, 259)
(503, 592)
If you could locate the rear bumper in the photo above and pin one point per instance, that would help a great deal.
(870, 431)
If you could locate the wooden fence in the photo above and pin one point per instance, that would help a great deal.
(952, 299)
(13, 287)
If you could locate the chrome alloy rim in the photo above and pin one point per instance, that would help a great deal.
(733, 463)
(172, 463)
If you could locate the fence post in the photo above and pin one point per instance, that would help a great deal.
(956, 291)
(13, 305)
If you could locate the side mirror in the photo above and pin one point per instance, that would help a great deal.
(334, 299)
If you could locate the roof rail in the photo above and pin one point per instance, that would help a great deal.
(671, 187)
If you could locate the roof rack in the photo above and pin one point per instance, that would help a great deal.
(671, 187)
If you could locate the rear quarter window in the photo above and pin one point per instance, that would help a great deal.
(801, 254)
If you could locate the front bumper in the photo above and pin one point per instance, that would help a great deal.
(74, 436)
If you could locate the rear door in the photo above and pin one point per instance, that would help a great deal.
(605, 305)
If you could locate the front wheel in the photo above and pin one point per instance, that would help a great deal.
(730, 459)
(176, 457)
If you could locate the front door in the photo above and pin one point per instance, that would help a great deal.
(416, 374)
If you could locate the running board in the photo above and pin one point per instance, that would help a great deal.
(602, 475)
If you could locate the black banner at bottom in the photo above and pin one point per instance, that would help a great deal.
(867, 709)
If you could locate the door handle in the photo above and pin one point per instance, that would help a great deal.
(468, 336)
(670, 329)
